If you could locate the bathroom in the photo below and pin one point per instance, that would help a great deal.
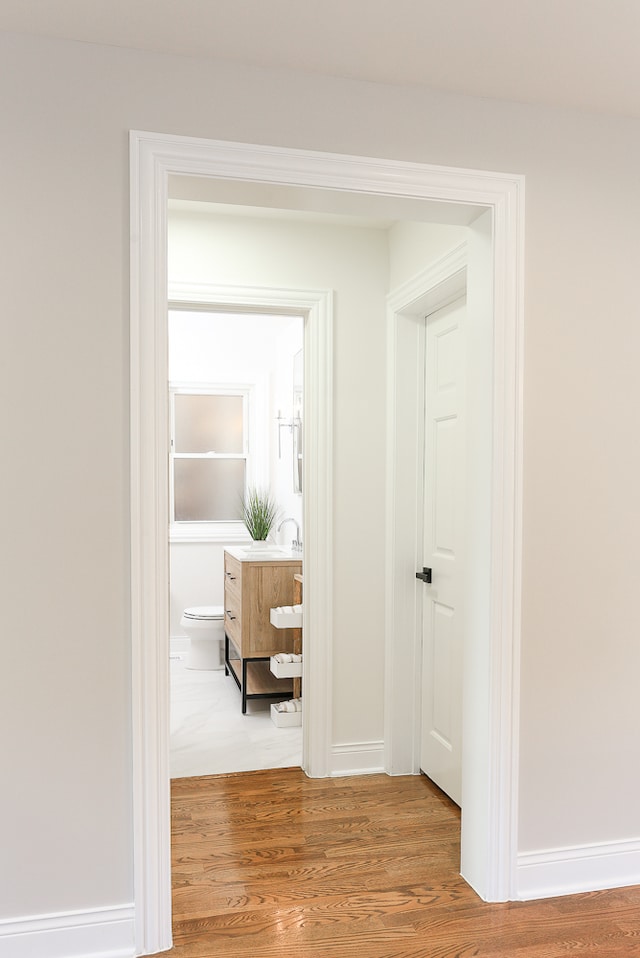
(235, 383)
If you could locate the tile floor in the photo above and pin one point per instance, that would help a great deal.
(210, 735)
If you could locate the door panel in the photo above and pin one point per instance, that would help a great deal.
(442, 600)
(441, 665)
(443, 451)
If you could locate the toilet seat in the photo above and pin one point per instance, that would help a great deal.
(204, 613)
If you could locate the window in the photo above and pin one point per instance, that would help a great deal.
(209, 458)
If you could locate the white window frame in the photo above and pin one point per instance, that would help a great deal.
(213, 530)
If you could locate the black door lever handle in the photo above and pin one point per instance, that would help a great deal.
(425, 575)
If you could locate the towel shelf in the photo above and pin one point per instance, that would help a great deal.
(285, 618)
(285, 719)
(285, 670)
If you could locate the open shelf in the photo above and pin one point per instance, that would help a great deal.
(285, 670)
(285, 620)
(260, 680)
(285, 719)
(253, 676)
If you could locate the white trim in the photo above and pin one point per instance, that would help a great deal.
(99, 933)
(211, 389)
(437, 285)
(357, 758)
(149, 511)
(491, 680)
(261, 299)
(149, 556)
(224, 533)
(153, 158)
(571, 871)
(506, 536)
(179, 646)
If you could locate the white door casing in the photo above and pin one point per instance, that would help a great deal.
(491, 826)
(443, 549)
(487, 266)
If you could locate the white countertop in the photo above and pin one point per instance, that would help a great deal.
(273, 553)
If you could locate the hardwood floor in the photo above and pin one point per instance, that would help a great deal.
(271, 863)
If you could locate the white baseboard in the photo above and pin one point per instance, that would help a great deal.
(179, 645)
(570, 871)
(103, 933)
(357, 758)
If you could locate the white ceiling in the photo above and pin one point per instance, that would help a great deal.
(575, 53)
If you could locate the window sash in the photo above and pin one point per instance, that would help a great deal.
(203, 527)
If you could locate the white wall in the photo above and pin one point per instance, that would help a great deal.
(217, 347)
(413, 245)
(66, 111)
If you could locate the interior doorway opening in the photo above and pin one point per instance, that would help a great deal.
(491, 832)
(234, 380)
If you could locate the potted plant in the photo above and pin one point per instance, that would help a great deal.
(259, 513)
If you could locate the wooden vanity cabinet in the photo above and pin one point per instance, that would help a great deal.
(252, 587)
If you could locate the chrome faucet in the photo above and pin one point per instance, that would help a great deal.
(296, 545)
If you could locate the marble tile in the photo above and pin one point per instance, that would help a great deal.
(210, 735)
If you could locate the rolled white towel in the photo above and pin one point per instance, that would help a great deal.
(297, 704)
(297, 608)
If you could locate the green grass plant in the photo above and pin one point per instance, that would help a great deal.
(259, 513)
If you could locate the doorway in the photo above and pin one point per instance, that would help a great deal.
(153, 158)
(233, 381)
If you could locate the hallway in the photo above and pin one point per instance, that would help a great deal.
(272, 863)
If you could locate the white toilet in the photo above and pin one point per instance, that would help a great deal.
(204, 624)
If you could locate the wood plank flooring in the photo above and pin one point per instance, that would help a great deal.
(271, 864)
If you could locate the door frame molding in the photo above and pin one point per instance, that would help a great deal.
(434, 287)
(493, 581)
(437, 286)
(153, 157)
(316, 309)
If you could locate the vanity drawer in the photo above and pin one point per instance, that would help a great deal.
(232, 586)
(232, 572)
(233, 589)
(233, 628)
(232, 598)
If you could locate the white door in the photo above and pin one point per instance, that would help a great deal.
(442, 599)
